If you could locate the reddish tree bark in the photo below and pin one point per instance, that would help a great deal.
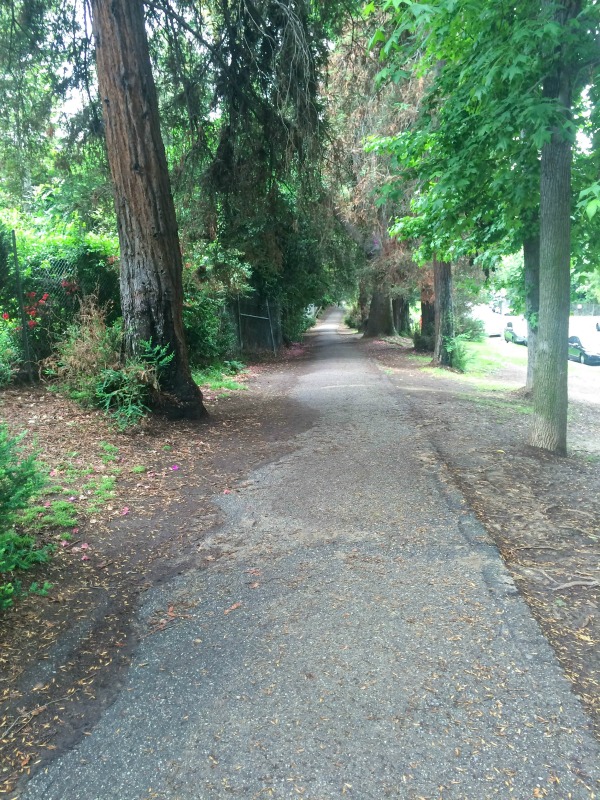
(151, 264)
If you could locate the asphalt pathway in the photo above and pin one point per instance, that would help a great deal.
(361, 637)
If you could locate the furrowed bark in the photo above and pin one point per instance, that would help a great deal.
(151, 264)
(550, 391)
(381, 322)
(401, 314)
(444, 312)
(531, 259)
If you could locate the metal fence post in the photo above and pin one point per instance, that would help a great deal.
(21, 300)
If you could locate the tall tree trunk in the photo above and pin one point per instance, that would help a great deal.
(151, 265)
(550, 390)
(531, 259)
(401, 314)
(363, 301)
(380, 322)
(444, 312)
(427, 310)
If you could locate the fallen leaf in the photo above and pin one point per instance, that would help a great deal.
(232, 608)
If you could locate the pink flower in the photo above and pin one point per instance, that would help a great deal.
(52, 473)
(85, 546)
(124, 510)
(63, 543)
(75, 530)
(227, 491)
(5, 316)
(175, 466)
(85, 558)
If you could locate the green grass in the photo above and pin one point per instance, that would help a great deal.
(102, 490)
(417, 358)
(484, 362)
(219, 376)
(109, 452)
(507, 406)
(484, 358)
(58, 514)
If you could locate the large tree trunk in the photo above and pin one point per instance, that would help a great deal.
(380, 322)
(531, 259)
(401, 314)
(550, 390)
(151, 267)
(444, 312)
(363, 301)
(427, 310)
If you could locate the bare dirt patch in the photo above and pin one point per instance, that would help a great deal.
(542, 511)
(61, 656)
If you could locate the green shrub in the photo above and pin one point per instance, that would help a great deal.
(20, 478)
(459, 354)
(10, 353)
(424, 343)
(209, 331)
(353, 318)
(88, 366)
(295, 324)
(473, 329)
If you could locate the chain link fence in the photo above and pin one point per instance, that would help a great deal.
(258, 324)
(41, 295)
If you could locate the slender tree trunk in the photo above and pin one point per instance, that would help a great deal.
(401, 314)
(380, 322)
(151, 267)
(531, 259)
(444, 312)
(550, 390)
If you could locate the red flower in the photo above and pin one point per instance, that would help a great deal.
(32, 323)
(45, 296)
(30, 294)
(5, 316)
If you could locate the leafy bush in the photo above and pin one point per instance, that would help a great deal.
(209, 330)
(459, 354)
(424, 343)
(295, 324)
(89, 367)
(353, 318)
(124, 393)
(20, 478)
(59, 263)
(89, 346)
(10, 353)
(473, 329)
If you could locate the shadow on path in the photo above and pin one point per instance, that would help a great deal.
(362, 638)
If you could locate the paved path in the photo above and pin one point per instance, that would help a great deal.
(375, 648)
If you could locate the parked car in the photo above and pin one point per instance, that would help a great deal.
(516, 331)
(585, 348)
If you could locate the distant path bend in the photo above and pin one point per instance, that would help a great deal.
(362, 639)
